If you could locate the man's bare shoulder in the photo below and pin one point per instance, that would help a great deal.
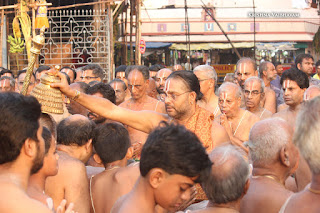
(252, 118)
(266, 114)
(268, 91)
(281, 114)
(16, 200)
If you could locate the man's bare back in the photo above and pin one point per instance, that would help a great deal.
(265, 195)
(288, 115)
(109, 185)
(269, 100)
(70, 183)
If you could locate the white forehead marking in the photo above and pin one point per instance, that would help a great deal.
(116, 86)
(167, 86)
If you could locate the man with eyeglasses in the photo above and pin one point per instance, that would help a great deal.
(253, 94)
(182, 91)
(207, 77)
(294, 83)
(268, 73)
(92, 72)
(236, 121)
(305, 63)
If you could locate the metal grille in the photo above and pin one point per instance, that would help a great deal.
(76, 38)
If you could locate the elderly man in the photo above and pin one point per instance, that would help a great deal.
(182, 91)
(228, 181)
(21, 153)
(74, 146)
(268, 73)
(236, 121)
(207, 77)
(72, 106)
(161, 78)
(253, 93)
(7, 84)
(306, 137)
(305, 63)
(245, 68)
(294, 84)
(312, 92)
(138, 83)
(120, 73)
(92, 72)
(120, 89)
(274, 159)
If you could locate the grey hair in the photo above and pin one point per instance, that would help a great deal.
(143, 69)
(266, 139)
(255, 78)
(307, 133)
(263, 67)
(229, 174)
(223, 88)
(11, 80)
(210, 72)
(245, 60)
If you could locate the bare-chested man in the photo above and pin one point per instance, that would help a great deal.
(21, 153)
(268, 73)
(120, 89)
(152, 89)
(161, 78)
(312, 92)
(112, 144)
(306, 137)
(49, 168)
(172, 160)
(74, 137)
(138, 83)
(182, 91)
(228, 181)
(245, 68)
(253, 93)
(274, 159)
(294, 83)
(208, 77)
(236, 121)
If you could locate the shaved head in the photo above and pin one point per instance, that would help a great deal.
(312, 92)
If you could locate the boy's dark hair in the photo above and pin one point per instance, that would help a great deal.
(111, 142)
(176, 150)
(47, 137)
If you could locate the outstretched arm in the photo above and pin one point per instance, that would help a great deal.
(144, 121)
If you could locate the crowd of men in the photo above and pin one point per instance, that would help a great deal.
(164, 140)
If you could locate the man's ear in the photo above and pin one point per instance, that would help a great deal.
(156, 177)
(192, 97)
(129, 153)
(246, 187)
(30, 147)
(299, 66)
(264, 72)
(97, 159)
(262, 95)
(88, 145)
(284, 156)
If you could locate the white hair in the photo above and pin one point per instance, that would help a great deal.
(210, 72)
(266, 139)
(307, 133)
(255, 78)
(225, 85)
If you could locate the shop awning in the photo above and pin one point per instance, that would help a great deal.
(154, 45)
(277, 46)
(209, 46)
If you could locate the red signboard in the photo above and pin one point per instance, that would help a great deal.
(142, 46)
